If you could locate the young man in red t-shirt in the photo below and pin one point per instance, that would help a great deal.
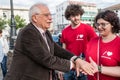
(76, 35)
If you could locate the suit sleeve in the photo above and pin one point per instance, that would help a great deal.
(60, 52)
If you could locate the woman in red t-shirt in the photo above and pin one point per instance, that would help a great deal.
(104, 51)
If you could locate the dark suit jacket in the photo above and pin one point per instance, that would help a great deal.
(32, 60)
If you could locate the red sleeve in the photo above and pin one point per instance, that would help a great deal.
(91, 33)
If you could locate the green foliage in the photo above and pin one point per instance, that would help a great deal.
(3, 22)
(20, 22)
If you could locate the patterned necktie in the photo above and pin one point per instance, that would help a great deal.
(44, 36)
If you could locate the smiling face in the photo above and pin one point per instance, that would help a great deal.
(75, 20)
(44, 18)
(104, 27)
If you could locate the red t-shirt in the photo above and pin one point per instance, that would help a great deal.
(109, 55)
(76, 39)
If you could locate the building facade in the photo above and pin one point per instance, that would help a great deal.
(59, 21)
(5, 12)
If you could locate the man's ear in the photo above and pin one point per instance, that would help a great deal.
(34, 18)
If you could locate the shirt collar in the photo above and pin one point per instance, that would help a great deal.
(39, 29)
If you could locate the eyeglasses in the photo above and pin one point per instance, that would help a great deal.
(46, 14)
(101, 24)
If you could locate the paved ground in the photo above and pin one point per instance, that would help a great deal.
(0, 74)
(9, 60)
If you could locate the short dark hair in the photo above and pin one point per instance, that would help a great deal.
(73, 9)
(111, 17)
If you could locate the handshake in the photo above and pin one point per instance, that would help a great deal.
(83, 66)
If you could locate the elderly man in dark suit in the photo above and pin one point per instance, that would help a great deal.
(36, 55)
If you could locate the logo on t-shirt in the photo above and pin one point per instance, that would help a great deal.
(107, 54)
(79, 37)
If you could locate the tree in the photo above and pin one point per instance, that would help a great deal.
(3, 22)
(20, 22)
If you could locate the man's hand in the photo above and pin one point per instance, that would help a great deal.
(84, 67)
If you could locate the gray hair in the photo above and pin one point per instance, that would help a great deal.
(35, 10)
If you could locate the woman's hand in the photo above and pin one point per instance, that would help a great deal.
(93, 64)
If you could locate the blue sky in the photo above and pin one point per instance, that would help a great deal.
(53, 3)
